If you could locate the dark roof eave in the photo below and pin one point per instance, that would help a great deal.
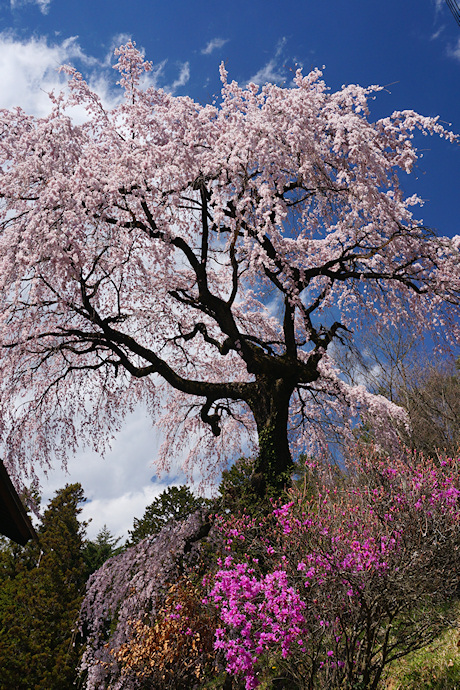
(14, 521)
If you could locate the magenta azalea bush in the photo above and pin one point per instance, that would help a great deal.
(328, 591)
(265, 611)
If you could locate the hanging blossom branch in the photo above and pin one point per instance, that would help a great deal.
(164, 251)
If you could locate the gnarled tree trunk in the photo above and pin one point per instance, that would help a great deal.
(270, 407)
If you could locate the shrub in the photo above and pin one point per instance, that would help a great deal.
(337, 587)
(176, 651)
(134, 586)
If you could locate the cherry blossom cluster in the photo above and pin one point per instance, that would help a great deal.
(202, 259)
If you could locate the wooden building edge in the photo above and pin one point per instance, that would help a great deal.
(14, 521)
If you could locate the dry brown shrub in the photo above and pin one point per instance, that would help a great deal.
(176, 651)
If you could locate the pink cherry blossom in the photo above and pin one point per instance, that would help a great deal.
(201, 260)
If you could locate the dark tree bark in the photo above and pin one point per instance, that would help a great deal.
(270, 407)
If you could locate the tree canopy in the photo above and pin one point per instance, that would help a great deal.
(173, 504)
(202, 260)
(101, 549)
(42, 589)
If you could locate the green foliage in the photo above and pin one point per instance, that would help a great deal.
(239, 491)
(96, 552)
(40, 598)
(436, 667)
(175, 503)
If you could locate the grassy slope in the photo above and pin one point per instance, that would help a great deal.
(436, 667)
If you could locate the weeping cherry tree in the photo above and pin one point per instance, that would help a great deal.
(203, 261)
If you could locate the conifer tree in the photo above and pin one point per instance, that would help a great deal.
(98, 551)
(175, 503)
(40, 601)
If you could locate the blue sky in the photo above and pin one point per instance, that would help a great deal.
(411, 47)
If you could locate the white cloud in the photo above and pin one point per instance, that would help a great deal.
(272, 71)
(120, 485)
(116, 42)
(439, 5)
(454, 51)
(29, 70)
(156, 77)
(118, 513)
(182, 79)
(152, 78)
(43, 5)
(214, 44)
(437, 33)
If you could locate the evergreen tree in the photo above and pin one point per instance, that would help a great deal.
(238, 490)
(175, 503)
(98, 551)
(40, 600)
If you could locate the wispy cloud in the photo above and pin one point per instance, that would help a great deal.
(182, 79)
(43, 5)
(454, 51)
(437, 33)
(272, 71)
(440, 7)
(116, 42)
(214, 44)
